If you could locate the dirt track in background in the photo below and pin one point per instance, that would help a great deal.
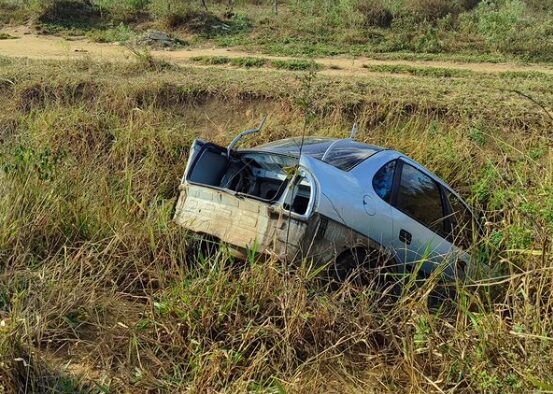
(32, 46)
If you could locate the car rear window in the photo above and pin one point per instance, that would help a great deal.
(343, 154)
(346, 154)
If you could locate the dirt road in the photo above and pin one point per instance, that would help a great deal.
(32, 46)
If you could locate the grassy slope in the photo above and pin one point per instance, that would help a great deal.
(95, 277)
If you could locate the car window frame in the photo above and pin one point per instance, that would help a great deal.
(447, 225)
(474, 218)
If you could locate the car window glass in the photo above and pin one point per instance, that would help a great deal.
(419, 197)
(383, 181)
(346, 154)
(462, 222)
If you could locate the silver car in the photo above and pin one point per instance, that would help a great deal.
(336, 202)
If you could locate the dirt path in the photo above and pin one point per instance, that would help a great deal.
(32, 46)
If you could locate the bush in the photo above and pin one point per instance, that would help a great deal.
(176, 14)
(431, 10)
(468, 4)
(497, 22)
(121, 33)
(65, 11)
(540, 5)
(374, 13)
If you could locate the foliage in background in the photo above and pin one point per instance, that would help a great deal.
(511, 28)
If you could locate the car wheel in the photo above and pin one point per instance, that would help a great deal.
(362, 268)
(201, 247)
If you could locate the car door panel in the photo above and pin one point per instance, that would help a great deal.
(419, 220)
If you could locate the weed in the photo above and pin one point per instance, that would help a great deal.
(6, 36)
(296, 65)
(212, 60)
(248, 62)
(477, 136)
(121, 33)
(147, 61)
(375, 13)
(435, 72)
(256, 62)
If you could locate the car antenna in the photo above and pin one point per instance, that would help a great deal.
(245, 133)
(354, 131)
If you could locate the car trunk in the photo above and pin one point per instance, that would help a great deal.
(247, 199)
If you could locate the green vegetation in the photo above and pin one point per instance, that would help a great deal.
(246, 62)
(212, 60)
(249, 62)
(121, 33)
(436, 72)
(5, 36)
(296, 65)
(100, 292)
(440, 72)
(471, 29)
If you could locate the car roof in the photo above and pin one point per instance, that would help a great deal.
(344, 154)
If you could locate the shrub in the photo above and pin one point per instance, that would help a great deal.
(431, 10)
(540, 5)
(374, 13)
(121, 33)
(497, 23)
(468, 4)
(6, 36)
(65, 11)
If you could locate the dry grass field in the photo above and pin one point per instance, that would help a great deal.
(100, 292)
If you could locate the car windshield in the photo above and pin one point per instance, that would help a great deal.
(344, 154)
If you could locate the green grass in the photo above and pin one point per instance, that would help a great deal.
(6, 36)
(257, 62)
(435, 72)
(121, 33)
(211, 60)
(91, 157)
(248, 62)
(439, 72)
(296, 65)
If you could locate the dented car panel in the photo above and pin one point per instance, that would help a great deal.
(238, 221)
(315, 198)
(248, 224)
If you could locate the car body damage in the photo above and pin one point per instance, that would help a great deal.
(317, 198)
(280, 217)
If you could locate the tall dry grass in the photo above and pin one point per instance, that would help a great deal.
(98, 290)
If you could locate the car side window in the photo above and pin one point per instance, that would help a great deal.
(383, 181)
(419, 196)
(461, 221)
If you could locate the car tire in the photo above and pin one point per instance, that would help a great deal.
(362, 268)
(201, 248)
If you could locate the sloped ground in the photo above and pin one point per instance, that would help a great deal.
(98, 292)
